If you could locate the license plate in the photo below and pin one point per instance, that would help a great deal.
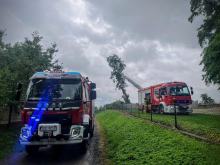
(48, 128)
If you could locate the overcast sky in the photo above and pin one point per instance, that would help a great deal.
(153, 37)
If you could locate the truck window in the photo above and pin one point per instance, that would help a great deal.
(156, 92)
(163, 91)
(179, 91)
(55, 89)
(147, 98)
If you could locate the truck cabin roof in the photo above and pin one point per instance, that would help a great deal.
(56, 75)
(167, 84)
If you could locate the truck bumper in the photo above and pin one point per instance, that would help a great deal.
(171, 109)
(42, 143)
(25, 137)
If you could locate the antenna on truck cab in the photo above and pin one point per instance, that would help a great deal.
(133, 82)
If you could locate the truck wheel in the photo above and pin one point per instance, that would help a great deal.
(92, 132)
(84, 147)
(31, 149)
(161, 109)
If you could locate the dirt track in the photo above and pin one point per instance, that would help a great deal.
(61, 156)
(213, 111)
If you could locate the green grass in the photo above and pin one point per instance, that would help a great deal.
(8, 138)
(132, 141)
(200, 124)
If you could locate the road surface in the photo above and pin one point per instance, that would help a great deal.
(62, 156)
(211, 111)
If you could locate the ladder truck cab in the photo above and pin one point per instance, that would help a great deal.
(58, 110)
(165, 97)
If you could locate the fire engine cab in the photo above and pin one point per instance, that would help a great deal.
(163, 98)
(58, 110)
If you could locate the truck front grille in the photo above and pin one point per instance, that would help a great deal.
(64, 119)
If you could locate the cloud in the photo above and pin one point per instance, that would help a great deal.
(154, 39)
(156, 20)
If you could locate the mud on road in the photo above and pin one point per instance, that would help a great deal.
(64, 155)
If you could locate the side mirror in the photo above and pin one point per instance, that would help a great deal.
(18, 91)
(92, 95)
(191, 90)
(93, 85)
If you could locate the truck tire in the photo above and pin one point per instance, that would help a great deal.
(84, 147)
(31, 149)
(92, 132)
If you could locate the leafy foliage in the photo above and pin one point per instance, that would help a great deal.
(132, 141)
(211, 61)
(115, 104)
(209, 37)
(8, 139)
(117, 75)
(207, 99)
(19, 61)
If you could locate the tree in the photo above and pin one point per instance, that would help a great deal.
(115, 105)
(18, 62)
(206, 99)
(209, 37)
(117, 75)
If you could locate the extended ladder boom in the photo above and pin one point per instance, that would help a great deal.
(133, 82)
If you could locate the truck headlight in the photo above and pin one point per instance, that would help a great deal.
(75, 132)
(26, 133)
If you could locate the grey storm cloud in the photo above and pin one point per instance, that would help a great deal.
(152, 19)
(153, 37)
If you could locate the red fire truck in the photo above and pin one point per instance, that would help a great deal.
(58, 110)
(163, 98)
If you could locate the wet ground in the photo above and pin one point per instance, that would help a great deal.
(64, 155)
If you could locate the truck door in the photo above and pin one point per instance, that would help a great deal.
(163, 94)
(88, 107)
(148, 101)
(86, 100)
(156, 96)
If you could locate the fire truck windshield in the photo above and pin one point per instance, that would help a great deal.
(179, 91)
(68, 89)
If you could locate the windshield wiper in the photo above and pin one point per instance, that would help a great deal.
(37, 82)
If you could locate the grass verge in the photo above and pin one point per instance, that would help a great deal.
(131, 141)
(8, 138)
(200, 124)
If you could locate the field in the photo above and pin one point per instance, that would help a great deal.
(133, 141)
(8, 139)
(206, 125)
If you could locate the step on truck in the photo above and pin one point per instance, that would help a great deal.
(58, 110)
(166, 98)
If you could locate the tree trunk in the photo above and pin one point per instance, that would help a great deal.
(125, 96)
